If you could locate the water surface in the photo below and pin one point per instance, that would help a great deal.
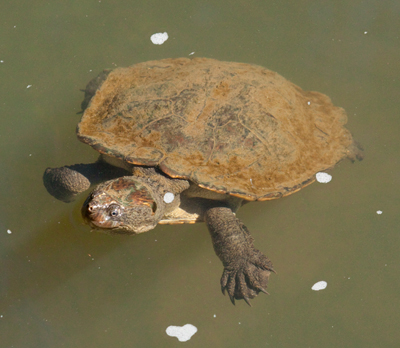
(63, 286)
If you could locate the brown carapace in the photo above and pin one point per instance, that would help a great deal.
(228, 127)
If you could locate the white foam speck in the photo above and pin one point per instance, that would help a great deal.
(323, 178)
(309, 103)
(379, 212)
(191, 54)
(319, 286)
(159, 38)
(9, 231)
(169, 197)
(182, 333)
(29, 86)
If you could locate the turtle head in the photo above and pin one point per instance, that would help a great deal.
(124, 205)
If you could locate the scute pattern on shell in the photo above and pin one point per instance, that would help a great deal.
(229, 127)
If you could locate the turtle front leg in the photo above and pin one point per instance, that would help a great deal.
(246, 269)
(66, 183)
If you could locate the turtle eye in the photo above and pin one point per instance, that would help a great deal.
(114, 210)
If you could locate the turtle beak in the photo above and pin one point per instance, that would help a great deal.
(101, 211)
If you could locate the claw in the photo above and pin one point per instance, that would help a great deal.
(223, 290)
(232, 299)
(263, 290)
(224, 280)
(268, 268)
(247, 300)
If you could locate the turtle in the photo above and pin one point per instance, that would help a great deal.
(192, 140)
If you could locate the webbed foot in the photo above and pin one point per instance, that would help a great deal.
(246, 269)
(249, 279)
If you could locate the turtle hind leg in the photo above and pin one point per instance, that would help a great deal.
(246, 269)
(355, 151)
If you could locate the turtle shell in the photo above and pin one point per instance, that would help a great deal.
(229, 127)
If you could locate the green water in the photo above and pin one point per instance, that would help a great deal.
(63, 286)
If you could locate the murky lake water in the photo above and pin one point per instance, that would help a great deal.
(63, 286)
